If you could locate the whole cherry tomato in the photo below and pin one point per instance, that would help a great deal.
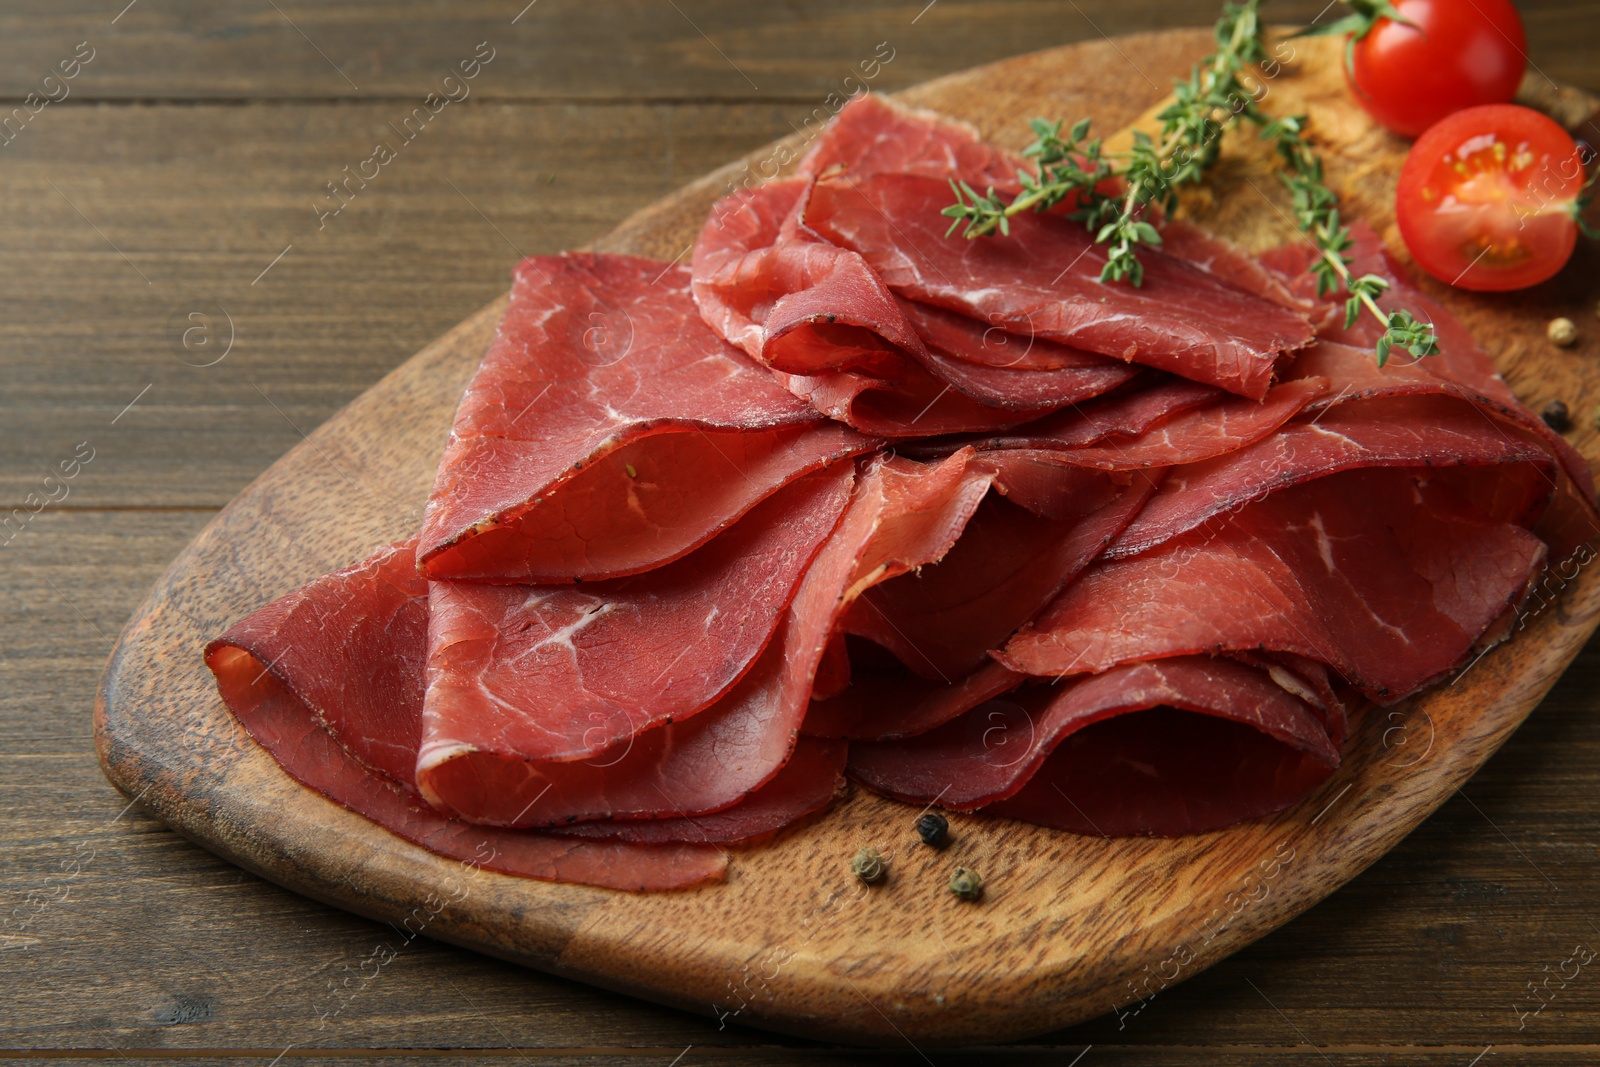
(1488, 198)
(1453, 54)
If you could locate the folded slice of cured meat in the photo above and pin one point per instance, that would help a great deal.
(1391, 576)
(903, 514)
(1461, 369)
(873, 135)
(942, 619)
(824, 322)
(554, 673)
(891, 702)
(609, 431)
(328, 679)
(1169, 746)
(1400, 431)
(806, 785)
(1043, 280)
(1215, 429)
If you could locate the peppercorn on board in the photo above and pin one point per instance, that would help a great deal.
(1067, 927)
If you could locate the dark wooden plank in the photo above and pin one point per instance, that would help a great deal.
(408, 257)
(634, 50)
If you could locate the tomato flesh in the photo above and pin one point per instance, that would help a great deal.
(1485, 199)
(1459, 54)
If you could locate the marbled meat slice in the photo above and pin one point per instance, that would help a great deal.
(823, 321)
(328, 679)
(609, 431)
(1401, 431)
(903, 514)
(1044, 280)
(1251, 748)
(806, 785)
(889, 703)
(873, 134)
(1392, 576)
(941, 620)
(549, 673)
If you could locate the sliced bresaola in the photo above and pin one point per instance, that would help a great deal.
(835, 336)
(807, 784)
(1391, 576)
(1401, 431)
(873, 135)
(1461, 369)
(942, 620)
(799, 304)
(1044, 280)
(1163, 773)
(1125, 414)
(903, 514)
(902, 402)
(328, 679)
(1231, 264)
(609, 431)
(1202, 433)
(1126, 780)
(891, 703)
(550, 673)
(1036, 479)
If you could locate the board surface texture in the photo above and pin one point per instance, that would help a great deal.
(1070, 927)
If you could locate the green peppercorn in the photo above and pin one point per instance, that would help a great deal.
(869, 865)
(968, 885)
(934, 830)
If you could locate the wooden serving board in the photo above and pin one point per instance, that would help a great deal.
(1071, 927)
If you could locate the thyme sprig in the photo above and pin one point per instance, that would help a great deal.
(1077, 170)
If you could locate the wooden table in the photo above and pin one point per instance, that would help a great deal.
(185, 168)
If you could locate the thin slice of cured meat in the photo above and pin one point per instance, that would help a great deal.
(564, 672)
(836, 337)
(806, 785)
(903, 402)
(1390, 576)
(1231, 264)
(1461, 368)
(329, 681)
(1163, 773)
(988, 345)
(609, 431)
(1129, 779)
(1036, 479)
(795, 302)
(1309, 680)
(873, 134)
(1202, 433)
(1044, 280)
(942, 620)
(903, 514)
(1126, 414)
(891, 703)
(1432, 431)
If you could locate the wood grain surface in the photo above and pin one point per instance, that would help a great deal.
(154, 945)
(1069, 927)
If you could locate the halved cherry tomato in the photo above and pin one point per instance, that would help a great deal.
(1486, 198)
(1457, 54)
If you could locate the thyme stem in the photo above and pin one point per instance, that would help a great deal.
(1072, 170)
